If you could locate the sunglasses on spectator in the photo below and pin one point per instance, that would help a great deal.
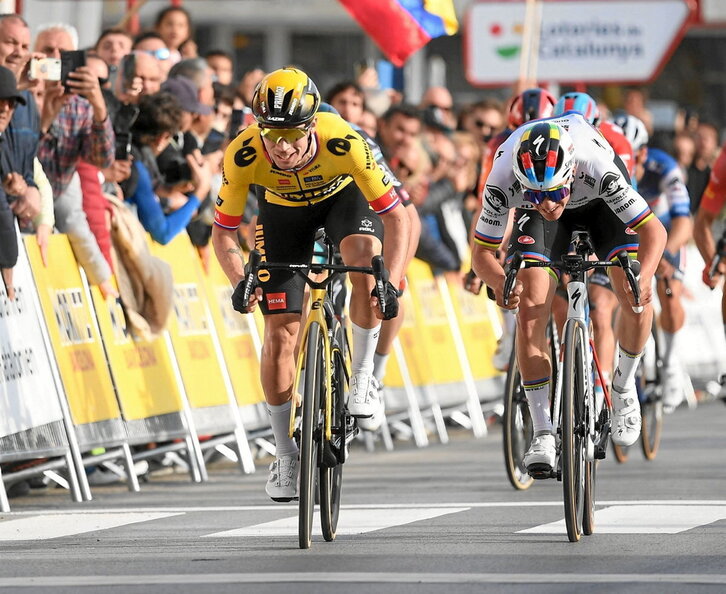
(162, 53)
(288, 134)
(539, 196)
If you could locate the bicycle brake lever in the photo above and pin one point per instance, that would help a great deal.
(514, 265)
(380, 274)
(631, 268)
(253, 262)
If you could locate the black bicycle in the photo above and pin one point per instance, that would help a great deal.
(581, 429)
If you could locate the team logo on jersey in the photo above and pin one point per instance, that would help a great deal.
(586, 179)
(225, 181)
(610, 184)
(598, 143)
(219, 201)
(522, 221)
(629, 231)
(276, 301)
(495, 198)
(526, 240)
(499, 154)
(283, 182)
(312, 178)
(340, 146)
(366, 226)
(245, 155)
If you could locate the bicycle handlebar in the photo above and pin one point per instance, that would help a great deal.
(377, 269)
(575, 264)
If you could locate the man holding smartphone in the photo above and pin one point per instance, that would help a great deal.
(74, 126)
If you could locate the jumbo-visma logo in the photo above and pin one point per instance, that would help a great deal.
(507, 39)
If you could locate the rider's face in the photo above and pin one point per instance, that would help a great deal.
(550, 210)
(288, 154)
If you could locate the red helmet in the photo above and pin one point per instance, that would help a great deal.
(531, 104)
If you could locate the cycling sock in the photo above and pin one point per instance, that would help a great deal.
(669, 341)
(280, 422)
(364, 347)
(379, 366)
(624, 375)
(538, 398)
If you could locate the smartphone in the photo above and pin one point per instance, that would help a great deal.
(123, 146)
(69, 62)
(44, 69)
(128, 72)
(239, 120)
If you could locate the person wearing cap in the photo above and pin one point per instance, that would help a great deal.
(12, 181)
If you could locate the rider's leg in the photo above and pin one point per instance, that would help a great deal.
(603, 303)
(277, 373)
(532, 350)
(672, 319)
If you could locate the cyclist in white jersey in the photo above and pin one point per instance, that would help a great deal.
(560, 175)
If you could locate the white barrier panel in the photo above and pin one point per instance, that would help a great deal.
(28, 394)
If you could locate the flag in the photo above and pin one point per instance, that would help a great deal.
(402, 27)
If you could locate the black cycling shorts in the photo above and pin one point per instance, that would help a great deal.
(287, 234)
(539, 239)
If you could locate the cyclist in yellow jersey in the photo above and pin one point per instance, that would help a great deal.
(316, 172)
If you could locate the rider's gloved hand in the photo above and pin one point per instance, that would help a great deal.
(389, 307)
(239, 303)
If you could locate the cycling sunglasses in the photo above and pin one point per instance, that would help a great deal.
(539, 196)
(288, 134)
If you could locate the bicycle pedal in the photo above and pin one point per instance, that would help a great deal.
(540, 471)
(284, 499)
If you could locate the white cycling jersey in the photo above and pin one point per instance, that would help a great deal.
(597, 177)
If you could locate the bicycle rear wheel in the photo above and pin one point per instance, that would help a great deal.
(310, 431)
(575, 471)
(331, 470)
(650, 392)
(517, 431)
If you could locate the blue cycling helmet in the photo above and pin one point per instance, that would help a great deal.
(327, 108)
(582, 103)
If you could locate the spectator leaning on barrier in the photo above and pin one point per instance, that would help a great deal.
(9, 96)
(74, 126)
(21, 136)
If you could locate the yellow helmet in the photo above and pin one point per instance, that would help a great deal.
(285, 98)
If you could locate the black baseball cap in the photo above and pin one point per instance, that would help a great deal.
(9, 86)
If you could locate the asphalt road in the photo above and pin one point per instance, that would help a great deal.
(436, 519)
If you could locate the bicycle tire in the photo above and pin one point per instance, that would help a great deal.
(574, 473)
(517, 430)
(314, 382)
(331, 478)
(650, 393)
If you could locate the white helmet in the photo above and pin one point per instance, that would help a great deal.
(543, 157)
(633, 128)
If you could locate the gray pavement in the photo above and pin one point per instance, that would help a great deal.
(436, 519)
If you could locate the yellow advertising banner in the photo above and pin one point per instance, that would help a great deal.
(428, 344)
(74, 338)
(476, 328)
(142, 369)
(234, 336)
(190, 327)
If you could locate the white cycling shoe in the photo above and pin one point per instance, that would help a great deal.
(626, 416)
(374, 422)
(282, 483)
(540, 457)
(364, 399)
(673, 392)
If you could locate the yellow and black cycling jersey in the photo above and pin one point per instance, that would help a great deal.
(341, 157)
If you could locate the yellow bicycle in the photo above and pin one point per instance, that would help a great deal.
(322, 426)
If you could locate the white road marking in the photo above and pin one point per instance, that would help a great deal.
(66, 581)
(47, 526)
(293, 507)
(350, 522)
(643, 519)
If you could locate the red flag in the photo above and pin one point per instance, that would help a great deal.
(393, 28)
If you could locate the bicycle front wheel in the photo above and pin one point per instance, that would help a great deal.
(517, 428)
(331, 470)
(310, 430)
(575, 471)
(650, 393)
